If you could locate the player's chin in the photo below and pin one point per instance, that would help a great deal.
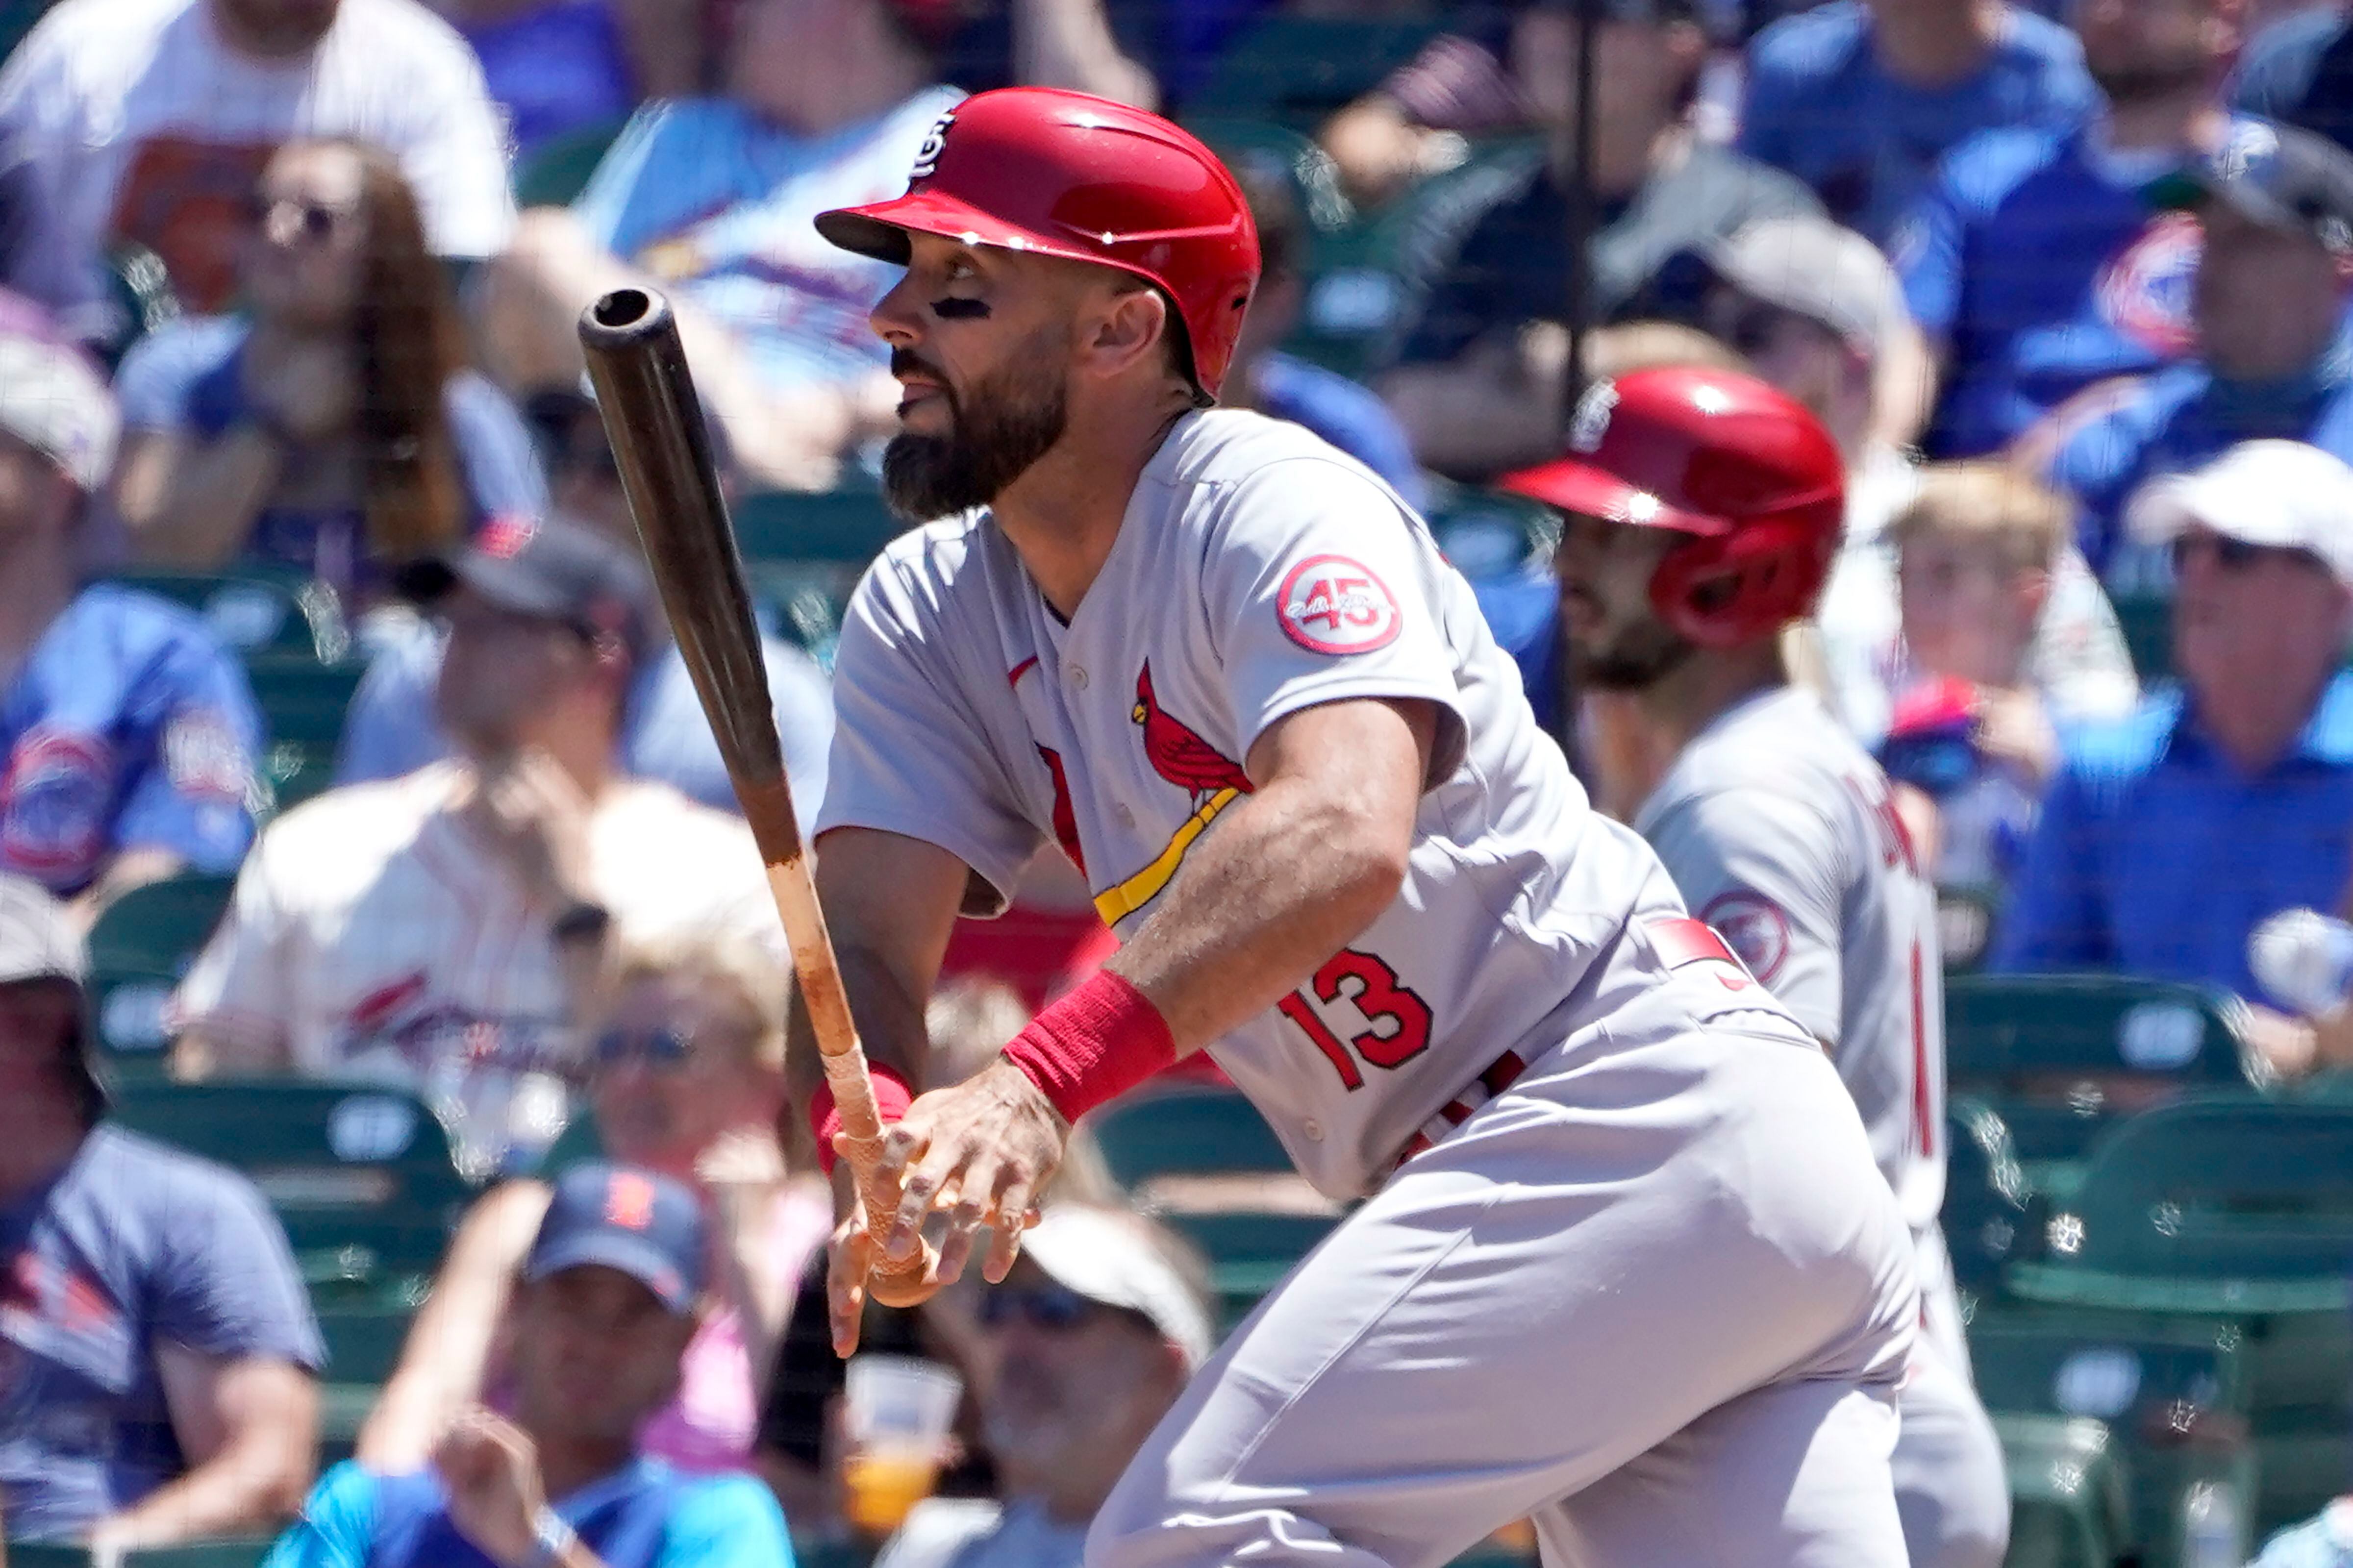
(926, 411)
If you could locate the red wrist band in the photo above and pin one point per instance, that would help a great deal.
(892, 1098)
(1100, 1040)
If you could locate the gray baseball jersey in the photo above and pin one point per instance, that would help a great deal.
(1256, 571)
(1782, 836)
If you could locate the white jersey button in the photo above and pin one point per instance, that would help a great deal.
(1077, 677)
(1313, 1128)
(1126, 817)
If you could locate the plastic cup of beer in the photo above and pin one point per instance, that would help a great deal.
(900, 1409)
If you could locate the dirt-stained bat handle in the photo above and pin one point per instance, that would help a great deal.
(646, 396)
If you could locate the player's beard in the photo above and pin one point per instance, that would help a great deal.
(2145, 81)
(1013, 417)
(1635, 660)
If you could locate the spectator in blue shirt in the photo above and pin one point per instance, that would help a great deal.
(600, 1321)
(1860, 98)
(2275, 359)
(157, 1354)
(2168, 837)
(336, 429)
(127, 734)
(2034, 263)
(1285, 386)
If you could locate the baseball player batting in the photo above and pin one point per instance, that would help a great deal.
(1700, 511)
(1624, 1264)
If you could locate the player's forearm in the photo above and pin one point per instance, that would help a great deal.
(252, 1485)
(1292, 877)
(1474, 417)
(1068, 44)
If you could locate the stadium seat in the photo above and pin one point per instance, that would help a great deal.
(157, 929)
(846, 527)
(360, 1173)
(1185, 1130)
(244, 1551)
(2066, 1492)
(1989, 1217)
(2064, 1056)
(303, 702)
(1314, 179)
(1295, 70)
(2146, 620)
(555, 172)
(255, 610)
(129, 1004)
(1249, 1252)
(363, 1347)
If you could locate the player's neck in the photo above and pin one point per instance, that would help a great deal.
(1063, 515)
(1704, 687)
(1930, 45)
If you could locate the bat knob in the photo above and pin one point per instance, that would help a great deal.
(908, 1281)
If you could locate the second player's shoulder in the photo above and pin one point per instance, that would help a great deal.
(1784, 749)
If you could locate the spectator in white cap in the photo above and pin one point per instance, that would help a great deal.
(127, 734)
(1818, 312)
(1085, 1347)
(2169, 834)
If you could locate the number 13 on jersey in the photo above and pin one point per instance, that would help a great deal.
(1397, 1020)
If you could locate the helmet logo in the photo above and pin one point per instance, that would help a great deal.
(1591, 421)
(935, 140)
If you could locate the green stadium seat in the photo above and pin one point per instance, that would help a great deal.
(364, 1345)
(1185, 1130)
(1989, 1217)
(2062, 1057)
(846, 527)
(245, 1551)
(129, 1004)
(361, 1174)
(2146, 620)
(255, 611)
(303, 700)
(803, 599)
(157, 928)
(1294, 70)
(1249, 1252)
(578, 1144)
(2066, 1493)
(556, 171)
(1314, 179)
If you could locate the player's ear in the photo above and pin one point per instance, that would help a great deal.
(1127, 325)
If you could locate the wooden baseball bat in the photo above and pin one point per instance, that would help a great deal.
(646, 397)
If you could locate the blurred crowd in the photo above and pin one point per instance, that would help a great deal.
(290, 289)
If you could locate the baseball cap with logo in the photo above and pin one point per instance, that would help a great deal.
(2279, 494)
(2274, 176)
(645, 1224)
(551, 567)
(1109, 1258)
(53, 396)
(1812, 268)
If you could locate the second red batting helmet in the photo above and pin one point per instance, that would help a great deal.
(1068, 174)
(1741, 468)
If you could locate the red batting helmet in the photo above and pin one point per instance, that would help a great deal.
(1068, 174)
(1739, 466)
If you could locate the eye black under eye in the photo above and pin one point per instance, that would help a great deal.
(952, 310)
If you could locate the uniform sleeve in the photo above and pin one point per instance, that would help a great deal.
(606, 207)
(1318, 588)
(1765, 872)
(389, 729)
(227, 1285)
(2055, 920)
(495, 449)
(337, 1524)
(457, 161)
(188, 793)
(729, 1523)
(910, 751)
(239, 986)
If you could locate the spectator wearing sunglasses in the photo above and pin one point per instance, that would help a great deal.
(2168, 836)
(334, 429)
(1083, 1349)
(686, 1080)
(1817, 310)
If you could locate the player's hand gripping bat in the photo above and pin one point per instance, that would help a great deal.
(651, 416)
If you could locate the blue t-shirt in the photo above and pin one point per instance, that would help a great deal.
(721, 206)
(2156, 857)
(131, 1246)
(2037, 261)
(128, 728)
(643, 1516)
(2177, 419)
(188, 377)
(1342, 412)
(392, 730)
(556, 68)
(1820, 105)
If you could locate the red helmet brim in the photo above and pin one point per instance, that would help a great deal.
(1593, 492)
(879, 229)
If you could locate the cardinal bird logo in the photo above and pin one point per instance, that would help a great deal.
(1176, 754)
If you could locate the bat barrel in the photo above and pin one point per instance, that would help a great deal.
(663, 447)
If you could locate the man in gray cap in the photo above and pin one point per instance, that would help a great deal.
(157, 1351)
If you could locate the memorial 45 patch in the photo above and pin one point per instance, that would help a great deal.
(1329, 603)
